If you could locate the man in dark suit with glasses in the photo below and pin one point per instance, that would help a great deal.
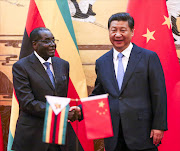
(35, 76)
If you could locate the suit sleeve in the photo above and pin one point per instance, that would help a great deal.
(24, 92)
(98, 88)
(158, 93)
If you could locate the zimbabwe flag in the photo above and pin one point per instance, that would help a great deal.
(55, 120)
(55, 15)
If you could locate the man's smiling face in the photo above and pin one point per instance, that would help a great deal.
(120, 34)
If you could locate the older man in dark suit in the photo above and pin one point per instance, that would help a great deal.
(133, 77)
(35, 76)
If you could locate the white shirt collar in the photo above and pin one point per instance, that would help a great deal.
(125, 52)
(41, 59)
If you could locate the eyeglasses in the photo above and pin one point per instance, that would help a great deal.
(48, 42)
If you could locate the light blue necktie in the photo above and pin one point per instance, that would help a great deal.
(50, 74)
(120, 71)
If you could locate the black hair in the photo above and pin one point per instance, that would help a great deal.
(122, 17)
(34, 35)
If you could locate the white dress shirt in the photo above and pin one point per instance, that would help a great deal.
(43, 61)
(125, 58)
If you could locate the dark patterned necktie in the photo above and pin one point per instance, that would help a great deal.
(50, 74)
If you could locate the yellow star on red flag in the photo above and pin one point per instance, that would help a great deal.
(101, 104)
(167, 21)
(149, 35)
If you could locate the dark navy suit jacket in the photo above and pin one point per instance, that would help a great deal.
(141, 105)
(31, 84)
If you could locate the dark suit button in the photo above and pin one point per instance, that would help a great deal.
(120, 98)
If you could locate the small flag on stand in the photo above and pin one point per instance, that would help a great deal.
(97, 117)
(55, 122)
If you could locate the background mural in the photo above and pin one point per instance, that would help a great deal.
(90, 24)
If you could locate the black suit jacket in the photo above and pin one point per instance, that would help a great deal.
(141, 105)
(31, 84)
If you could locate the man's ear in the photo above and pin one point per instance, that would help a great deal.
(34, 45)
(133, 32)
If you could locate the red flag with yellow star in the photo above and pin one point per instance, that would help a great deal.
(96, 113)
(153, 31)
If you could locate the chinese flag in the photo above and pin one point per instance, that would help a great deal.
(153, 31)
(96, 113)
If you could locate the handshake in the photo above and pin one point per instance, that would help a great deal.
(74, 113)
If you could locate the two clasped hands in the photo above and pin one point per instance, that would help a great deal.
(74, 113)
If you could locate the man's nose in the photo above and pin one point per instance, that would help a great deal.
(118, 34)
(52, 43)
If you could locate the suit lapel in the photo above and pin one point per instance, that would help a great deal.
(57, 69)
(38, 67)
(135, 56)
(111, 72)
